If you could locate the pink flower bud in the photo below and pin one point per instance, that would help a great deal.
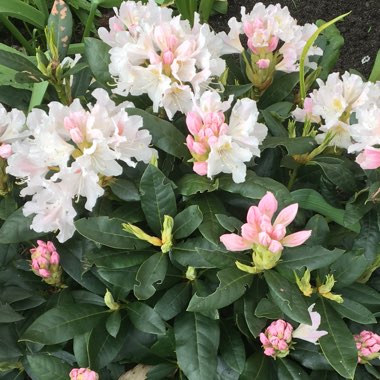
(83, 374)
(273, 42)
(167, 57)
(200, 168)
(368, 346)
(5, 151)
(277, 339)
(263, 63)
(193, 122)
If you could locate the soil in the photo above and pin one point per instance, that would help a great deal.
(360, 28)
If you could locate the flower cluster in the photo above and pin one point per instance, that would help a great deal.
(277, 337)
(267, 240)
(368, 346)
(45, 262)
(83, 374)
(160, 55)
(69, 152)
(220, 147)
(275, 40)
(349, 109)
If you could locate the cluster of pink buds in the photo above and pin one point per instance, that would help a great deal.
(45, 262)
(83, 374)
(368, 346)
(277, 339)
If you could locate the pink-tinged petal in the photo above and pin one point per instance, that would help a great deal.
(268, 205)
(193, 122)
(254, 216)
(275, 246)
(278, 233)
(263, 339)
(250, 232)
(287, 215)
(234, 242)
(269, 351)
(264, 239)
(200, 168)
(369, 158)
(296, 239)
(5, 151)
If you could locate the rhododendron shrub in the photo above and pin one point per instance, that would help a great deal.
(163, 207)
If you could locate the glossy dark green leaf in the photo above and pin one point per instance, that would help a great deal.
(254, 187)
(296, 145)
(187, 221)
(8, 315)
(349, 267)
(233, 284)
(17, 229)
(97, 55)
(157, 198)
(267, 309)
(257, 367)
(232, 347)
(108, 232)
(191, 184)
(230, 223)
(310, 257)
(113, 323)
(287, 297)
(63, 323)
(125, 189)
(80, 349)
(9, 346)
(151, 272)
(274, 124)
(61, 23)
(20, 63)
(287, 369)
(165, 135)
(210, 205)
(309, 199)
(173, 301)
(197, 341)
(161, 371)
(366, 294)
(320, 228)
(47, 367)
(354, 311)
(7, 206)
(146, 319)
(237, 90)
(310, 356)
(220, 258)
(338, 345)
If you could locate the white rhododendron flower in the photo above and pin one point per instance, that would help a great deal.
(333, 106)
(160, 55)
(221, 147)
(68, 152)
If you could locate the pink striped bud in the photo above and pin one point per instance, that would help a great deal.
(263, 63)
(368, 346)
(277, 339)
(83, 374)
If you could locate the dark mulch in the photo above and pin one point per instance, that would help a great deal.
(360, 29)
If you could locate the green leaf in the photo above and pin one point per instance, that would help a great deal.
(157, 198)
(8, 315)
(375, 73)
(230, 223)
(197, 341)
(47, 367)
(311, 257)
(349, 267)
(15, 97)
(151, 272)
(283, 84)
(320, 228)
(146, 319)
(16, 229)
(187, 221)
(233, 284)
(364, 293)
(20, 63)
(338, 345)
(254, 187)
(220, 258)
(287, 297)
(288, 370)
(63, 323)
(232, 347)
(274, 124)
(9, 346)
(257, 367)
(173, 301)
(296, 145)
(108, 232)
(210, 205)
(309, 199)
(191, 184)
(237, 90)
(354, 311)
(165, 135)
(97, 55)
(113, 323)
(38, 94)
(23, 11)
(125, 189)
(268, 309)
(7, 206)
(310, 356)
(61, 23)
